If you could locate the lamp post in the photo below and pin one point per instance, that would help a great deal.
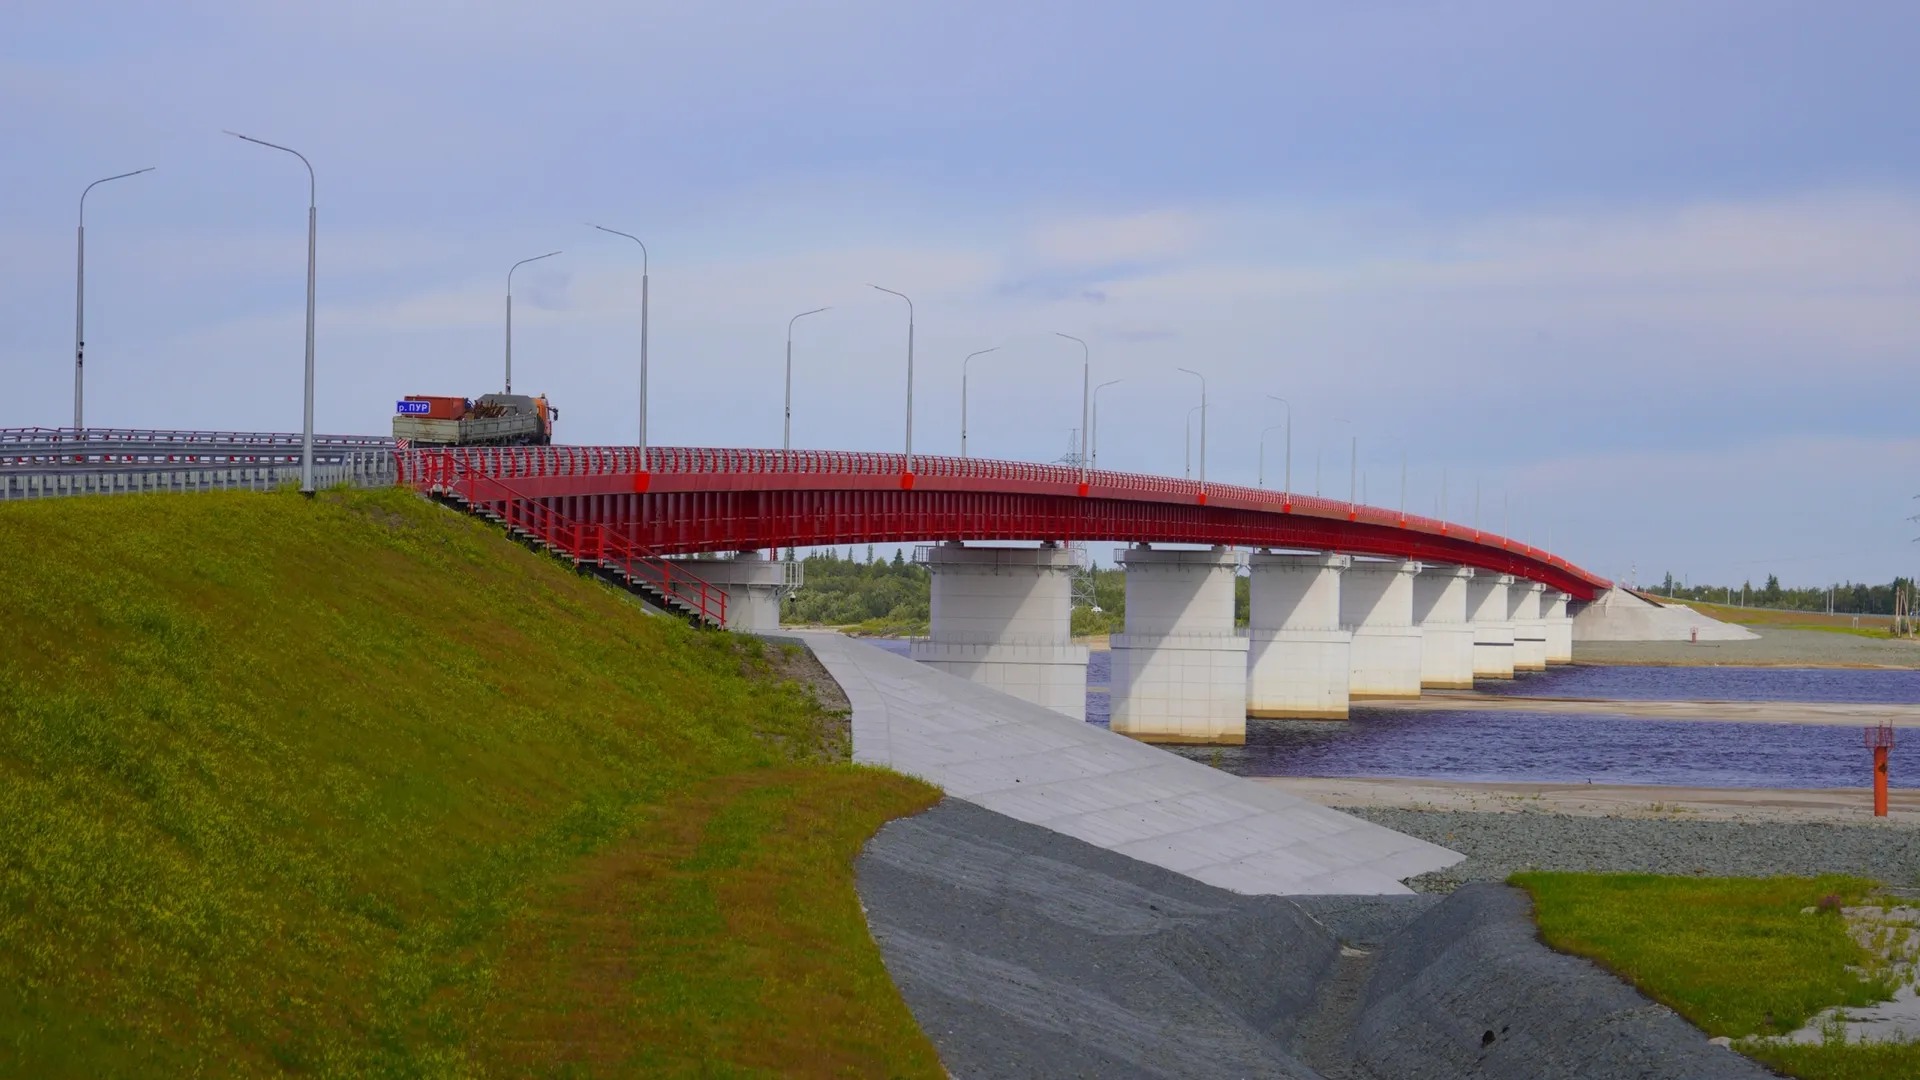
(510, 271)
(306, 424)
(963, 395)
(1086, 395)
(786, 437)
(1093, 436)
(1353, 469)
(1189, 443)
(1287, 484)
(644, 267)
(1203, 427)
(1263, 453)
(909, 301)
(80, 302)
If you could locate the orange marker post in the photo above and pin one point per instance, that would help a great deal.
(1880, 741)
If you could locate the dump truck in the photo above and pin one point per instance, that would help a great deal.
(493, 420)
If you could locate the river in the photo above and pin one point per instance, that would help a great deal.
(1560, 747)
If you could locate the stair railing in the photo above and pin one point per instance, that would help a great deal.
(586, 541)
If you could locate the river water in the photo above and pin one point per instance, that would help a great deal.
(1562, 747)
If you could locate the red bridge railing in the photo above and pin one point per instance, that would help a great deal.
(422, 467)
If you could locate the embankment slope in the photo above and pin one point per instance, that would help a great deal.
(356, 786)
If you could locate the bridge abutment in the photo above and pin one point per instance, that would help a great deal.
(1002, 617)
(1492, 629)
(1299, 661)
(754, 586)
(1529, 630)
(1180, 670)
(1376, 603)
(1446, 637)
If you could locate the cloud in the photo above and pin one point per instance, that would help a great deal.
(1152, 237)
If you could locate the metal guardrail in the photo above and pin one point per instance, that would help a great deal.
(54, 462)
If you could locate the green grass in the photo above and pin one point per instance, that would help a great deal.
(1736, 956)
(303, 786)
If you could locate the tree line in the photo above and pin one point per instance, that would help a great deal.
(1847, 598)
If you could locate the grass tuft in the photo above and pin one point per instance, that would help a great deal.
(1748, 958)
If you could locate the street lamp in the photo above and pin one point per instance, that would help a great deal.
(644, 267)
(1288, 483)
(1189, 442)
(510, 271)
(1353, 469)
(1203, 427)
(963, 395)
(909, 301)
(1263, 453)
(306, 424)
(80, 301)
(1086, 393)
(1093, 436)
(786, 438)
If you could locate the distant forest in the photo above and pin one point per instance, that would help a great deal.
(1847, 599)
(892, 597)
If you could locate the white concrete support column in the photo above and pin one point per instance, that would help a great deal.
(1553, 612)
(1299, 659)
(753, 583)
(1002, 617)
(1446, 641)
(1492, 630)
(1529, 630)
(1376, 603)
(1180, 670)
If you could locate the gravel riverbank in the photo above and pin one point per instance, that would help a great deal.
(1775, 647)
(1499, 844)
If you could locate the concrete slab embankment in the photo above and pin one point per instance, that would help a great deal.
(1025, 953)
(1619, 615)
(1037, 766)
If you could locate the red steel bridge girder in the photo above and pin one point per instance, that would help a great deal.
(695, 500)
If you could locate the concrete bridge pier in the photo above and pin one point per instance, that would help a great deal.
(1376, 603)
(1299, 660)
(1446, 637)
(1180, 670)
(1553, 612)
(1529, 630)
(1002, 617)
(1492, 629)
(753, 583)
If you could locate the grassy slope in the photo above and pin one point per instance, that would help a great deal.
(1876, 626)
(1736, 956)
(321, 785)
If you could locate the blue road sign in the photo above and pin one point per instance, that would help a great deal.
(412, 408)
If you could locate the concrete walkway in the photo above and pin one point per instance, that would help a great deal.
(1039, 767)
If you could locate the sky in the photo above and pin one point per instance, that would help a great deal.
(1644, 276)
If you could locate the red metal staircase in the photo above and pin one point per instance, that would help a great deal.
(666, 583)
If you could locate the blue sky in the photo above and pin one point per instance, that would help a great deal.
(1646, 272)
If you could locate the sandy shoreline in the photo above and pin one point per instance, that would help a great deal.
(1836, 714)
(1843, 805)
